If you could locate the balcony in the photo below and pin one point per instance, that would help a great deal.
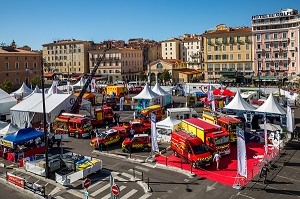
(292, 48)
(224, 41)
(284, 39)
(284, 48)
(267, 40)
(293, 58)
(232, 41)
(267, 49)
(248, 40)
(276, 49)
(210, 43)
(240, 41)
(258, 50)
(268, 59)
(195, 56)
(218, 42)
(275, 39)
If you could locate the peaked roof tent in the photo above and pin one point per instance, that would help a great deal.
(238, 103)
(157, 89)
(146, 93)
(23, 91)
(271, 106)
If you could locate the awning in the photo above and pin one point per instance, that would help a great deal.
(268, 79)
(48, 74)
(248, 76)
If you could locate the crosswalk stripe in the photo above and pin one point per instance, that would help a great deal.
(129, 175)
(129, 194)
(108, 195)
(135, 171)
(142, 168)
(145, 196)
(100, 190)
(120, 179)
(97, 183)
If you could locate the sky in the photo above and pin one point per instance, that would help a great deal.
(38, 22)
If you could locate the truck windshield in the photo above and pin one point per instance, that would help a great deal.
(87, 124)
(102, 135)
(221, 140)
(233, 126)
(199, 149)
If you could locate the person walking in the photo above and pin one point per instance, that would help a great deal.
(131, 133)
(4, 153)
(217, 159)
(264, 173)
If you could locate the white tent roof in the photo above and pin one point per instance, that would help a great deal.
(146, 93)
(9, 129)
(6, 102)
(80, 83)
(238, 103)
(271, 127)
(22, 90)
(167, 123)
(50, 91)
(157, 89)
(271, 106)
(37, 90)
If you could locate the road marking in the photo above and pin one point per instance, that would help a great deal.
(239, 193)
(212, 187)
(287, 178)
(129, 194)
(120, 179)
(126, 118)
(54, 191)
(97, 183)
(75, 193)
(100, 190)
(59, 197)
(145, 196)
(109, 195)
(135, 171)
(142, 168)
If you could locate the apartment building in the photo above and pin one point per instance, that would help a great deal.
(191, 51)
(170, 49)
(19, 65)
(67, 57)
(228, 54)
(276, 45)
(119, 64)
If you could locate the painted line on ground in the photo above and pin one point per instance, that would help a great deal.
(108, 196)
(287, 178)
(145, 196)
(239, 194)
(135, 171)
(129, 194)
(142, 168)
(100, 190)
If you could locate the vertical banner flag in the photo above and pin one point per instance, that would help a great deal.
(241, 153)
(289, 118)
(144, 103)
(265, 133)
(93, 85)
(68, 87)
(153, 133)
(54, 87)
(121, 103)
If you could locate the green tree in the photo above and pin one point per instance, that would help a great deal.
(7, 86)
(36, 81)
(143, 76)
(165, 76)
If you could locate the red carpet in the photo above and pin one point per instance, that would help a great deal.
(228, 165)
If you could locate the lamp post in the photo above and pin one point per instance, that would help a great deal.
(44, 117)
(258, 75)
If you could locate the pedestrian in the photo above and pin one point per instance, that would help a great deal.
(217, 159)
(131, 133)
(118, 118)
(173, 104)
(132, 104)
(115, 118)
(264, 172)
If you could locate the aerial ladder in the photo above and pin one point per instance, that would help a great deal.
(76, 106)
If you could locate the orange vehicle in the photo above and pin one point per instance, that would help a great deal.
(228, 124)
(145, 114)
(111, 136)
(103, 115)
(75, 125)
(88, 96)
(191, 148)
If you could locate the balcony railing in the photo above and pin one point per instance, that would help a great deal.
(267, 49)
(292, 48)
(218, 42)
(284, 48)
(276, 22)
(240, 41)
(210, 43)
(293, 58)
(248, 40)
(276, 49)
(268, 59)
(258, 50)
(232, 41)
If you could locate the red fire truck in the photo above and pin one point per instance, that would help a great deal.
(103, 115)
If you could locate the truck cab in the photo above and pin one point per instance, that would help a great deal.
(103, 115)
(145, 114)
(218, 142)
(75, 125)
(108, 137)
(191, 148)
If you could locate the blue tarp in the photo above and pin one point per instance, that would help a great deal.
(200, 94)
(23, 135)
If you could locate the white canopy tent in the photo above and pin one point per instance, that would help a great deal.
(147, 96)
(30, 110)
(22, 92)
(239, 104)
(165, 96)
(6, 102)
(37, 90)
(51, 90)
(271, 106)
(168, 123)
(9, 129)
(80, 83)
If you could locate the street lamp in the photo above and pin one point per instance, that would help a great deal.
(258, 75)
(44, 117)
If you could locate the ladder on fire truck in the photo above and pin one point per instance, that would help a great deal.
(76, 106)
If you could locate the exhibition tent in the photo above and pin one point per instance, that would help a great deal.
(165, 96)
(271, 106)
(6, 102)
(146, 98)
(23, 135)
(168, 123)
(9, 129)
(30, 110)
(37, 90)
(239, 104)
(23, 91)
(80, 83)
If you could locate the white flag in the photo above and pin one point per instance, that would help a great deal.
(289, 118)
(241, 153)
(121, 103)
(153, 133)
(93, 85)
(265, 133)
(68, 87)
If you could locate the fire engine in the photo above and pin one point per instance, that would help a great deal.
(108, 137)
(103, 115)
(139, 141)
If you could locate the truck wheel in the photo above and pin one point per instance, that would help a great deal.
(77, 135)
(175, 154)
(194, 165)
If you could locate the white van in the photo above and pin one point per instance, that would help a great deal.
(181, 113)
